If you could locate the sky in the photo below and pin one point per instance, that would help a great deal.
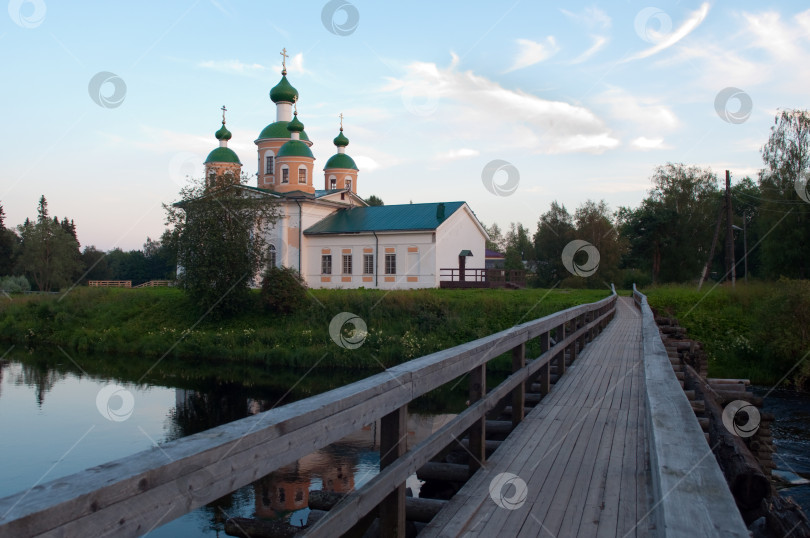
(108, 106)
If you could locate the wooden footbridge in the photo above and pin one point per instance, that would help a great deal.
(612, 447)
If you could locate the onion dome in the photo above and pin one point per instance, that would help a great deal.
(340, 140)
(295, 148)
(295, 126)
(278, 129)
(340, 160)
(222, 155)
(223, 133)
(283, 92)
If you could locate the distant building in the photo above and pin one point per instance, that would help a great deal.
(494, 259)
(330, 235)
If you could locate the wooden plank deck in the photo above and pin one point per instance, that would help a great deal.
(581, 453)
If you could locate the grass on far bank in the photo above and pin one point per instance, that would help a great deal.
(759, 331)
(153, 322)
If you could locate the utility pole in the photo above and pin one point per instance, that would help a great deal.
(705, 272)
(745, 244)
(729, 234)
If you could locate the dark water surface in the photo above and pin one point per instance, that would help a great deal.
(54, 423)
(791, 437)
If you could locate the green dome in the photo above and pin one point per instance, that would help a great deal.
(283, 92)
(341, 140)
(223, 133)
(279, 130)
(295, 148)
(295, 125)
(222, 155)
(340, 160)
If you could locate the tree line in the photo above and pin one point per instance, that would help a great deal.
(46, 253)
(668, 236)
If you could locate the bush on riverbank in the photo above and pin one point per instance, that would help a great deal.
(157, 322)
(759, 331)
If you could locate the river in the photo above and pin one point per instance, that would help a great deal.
(54, 424)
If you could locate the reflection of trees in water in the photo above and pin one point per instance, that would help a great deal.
(38, 375)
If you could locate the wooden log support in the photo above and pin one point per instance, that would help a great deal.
(519, 393)
(420, 510)
(478, 388)
(448, 472)
(393, 437)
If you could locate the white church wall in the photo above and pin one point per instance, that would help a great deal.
(414, 254)
(460, 231)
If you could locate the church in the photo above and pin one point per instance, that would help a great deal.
(330, 234)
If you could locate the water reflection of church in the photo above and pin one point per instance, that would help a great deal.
(338, 468)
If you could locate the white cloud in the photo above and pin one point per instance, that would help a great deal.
(475, 110)
(296, 64)
(668, 40)
(645, 112)
(232, 66)
(532, 52)
(598, 44)
(645, 144)
(591, 17)
(454, 154)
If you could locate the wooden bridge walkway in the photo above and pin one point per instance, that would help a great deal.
(581, 452)
(612, 449)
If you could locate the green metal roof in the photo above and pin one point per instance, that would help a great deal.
(295, 125)
(222, 155)
(340, 160)
(341, 140)
(383, 219)
(223, 133)
(283, 92)
(278, 129)
(295, 148)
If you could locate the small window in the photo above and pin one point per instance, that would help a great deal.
(390, 264)
(368, 264)
(348, 183)
(268, 165)
(347, 264)
(285, 175)
(302, 176)
(326, 264)
(333, 183)
(281, 496)
(271, 256)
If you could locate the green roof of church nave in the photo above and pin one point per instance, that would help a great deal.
(222, 155)
(340, 160)
(279, 129)
(384, 218)
(295, 148)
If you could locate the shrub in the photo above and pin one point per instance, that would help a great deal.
(283, 290)
(14, 284)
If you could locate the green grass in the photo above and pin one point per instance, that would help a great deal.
(757, 331)
(154, 322)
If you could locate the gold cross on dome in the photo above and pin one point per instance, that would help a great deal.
(284, 57)
(223, 114)
(295, 104)
(341, 121)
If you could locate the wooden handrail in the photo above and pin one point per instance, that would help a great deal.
(128, 496)
(690, 494)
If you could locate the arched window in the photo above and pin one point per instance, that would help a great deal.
(348, 183)
(285, 175)
(271, 256)
(268, 164)
(302, 175)
(333, 182)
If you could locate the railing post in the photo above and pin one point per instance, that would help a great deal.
(561, 357)
(519, 394)
(393, 436)
(545, 371)
(573, 347)
(478, 388)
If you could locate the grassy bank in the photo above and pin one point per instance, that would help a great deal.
(154, 322)
(759, 331)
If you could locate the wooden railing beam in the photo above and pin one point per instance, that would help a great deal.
(393, 437)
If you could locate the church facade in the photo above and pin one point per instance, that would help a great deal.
(327, 231)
